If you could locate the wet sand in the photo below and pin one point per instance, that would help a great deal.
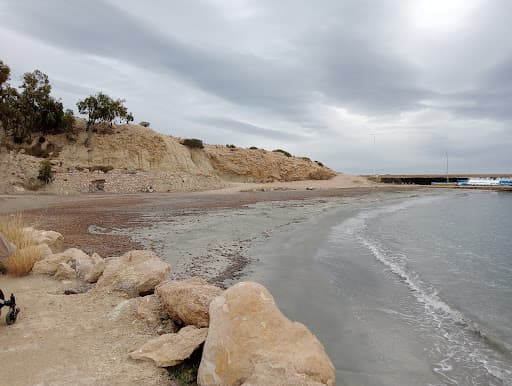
(114, 224)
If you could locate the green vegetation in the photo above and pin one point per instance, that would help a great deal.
(319, 163)
(306, 159)
(31, 109)
(46, 174)
(193, 143)
(144, 123)
(231, 146)
(101, 108)
(282, 151)
(253, 148)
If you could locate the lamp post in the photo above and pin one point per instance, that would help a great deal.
(374, 135)
(447, 176)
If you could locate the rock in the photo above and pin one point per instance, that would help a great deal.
(79, 290)
(151, 310)
(172, 349)
(43, 237)
(126, 309)
(88, 268)
(45, 251)
(188, 301)
(65, 272)
(49, 265)
(251, 341)
(135, 273)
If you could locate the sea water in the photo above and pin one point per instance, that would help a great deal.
(409, 291)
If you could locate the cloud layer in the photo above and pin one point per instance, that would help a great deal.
(320, 79)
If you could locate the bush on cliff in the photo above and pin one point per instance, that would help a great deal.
(282, 152)
(46, 174)
(193, 143)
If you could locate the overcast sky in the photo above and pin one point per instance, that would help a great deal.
(318, 78)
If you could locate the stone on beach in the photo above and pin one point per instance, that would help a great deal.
(88, 268)
(49, 265)
(172, 349)
(43, 237)
(188, 301)
(151, 309)
(135, 273)
(251, 341)
(65, 272)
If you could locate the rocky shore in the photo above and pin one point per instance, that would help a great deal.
(238, 335)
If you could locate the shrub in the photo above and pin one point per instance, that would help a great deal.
(253, 148)
(283, 152)
(144, 124)
(306, 159)
(319, 163)
(21, 262)
(193, 143)
(46, 174)
(231, 146)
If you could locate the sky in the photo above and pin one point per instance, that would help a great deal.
(382, 86)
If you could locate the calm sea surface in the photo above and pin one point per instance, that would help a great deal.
(415, 291)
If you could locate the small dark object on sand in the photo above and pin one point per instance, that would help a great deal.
(78, 290)
(12, 315)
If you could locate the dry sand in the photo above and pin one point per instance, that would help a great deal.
(71, 339)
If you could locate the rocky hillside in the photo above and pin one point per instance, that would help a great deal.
(132, 158)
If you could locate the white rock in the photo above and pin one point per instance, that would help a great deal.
(172, 349)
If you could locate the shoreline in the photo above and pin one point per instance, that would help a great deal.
(114, 224)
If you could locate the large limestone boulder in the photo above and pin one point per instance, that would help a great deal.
(49, 265)
(135, 273)
(65, 272)
(251, 342)
(151, 309)
(88, 268)
(188, 301)
(171, 349)
(49, 238)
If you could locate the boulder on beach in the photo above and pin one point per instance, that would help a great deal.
(49, 238)
(49, 265)
(64, 272)
(151, 309)
(251, 342)
(188, 301)
(135, 273)
(88, 268)
(171, 349)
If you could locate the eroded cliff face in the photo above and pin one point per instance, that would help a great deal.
(136, 157)
(246, 165)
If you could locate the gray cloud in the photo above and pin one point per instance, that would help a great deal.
(246, 128)
(316, 78)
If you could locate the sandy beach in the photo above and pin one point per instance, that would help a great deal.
(205, 234)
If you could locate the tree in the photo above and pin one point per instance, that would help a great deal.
(10, 116)
(36, 104)
(102, 108)
(5, 73)
(129, 118)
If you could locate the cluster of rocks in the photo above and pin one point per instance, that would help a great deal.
(244, 337)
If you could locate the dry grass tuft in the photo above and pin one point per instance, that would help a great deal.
(22, 261)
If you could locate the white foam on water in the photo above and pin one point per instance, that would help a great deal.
(460, 339)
